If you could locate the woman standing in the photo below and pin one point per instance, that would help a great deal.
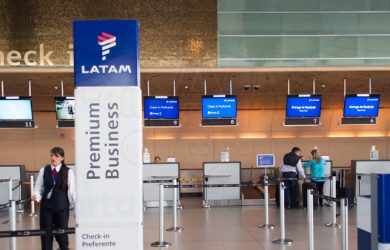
(317, 165)
(56, 191)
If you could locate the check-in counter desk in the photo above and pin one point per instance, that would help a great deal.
(371, 196)
(165, 172)
(222, 173)
(361, 173)
(17, 174)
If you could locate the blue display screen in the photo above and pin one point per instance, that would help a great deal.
(361, 105)
(303, 106)
(161, 107)
(18, 109)
(219, 107)
(266, 160)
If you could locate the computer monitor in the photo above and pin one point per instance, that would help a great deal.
(161, 107)
(361, 105)
(265, 160)
(303, 106)
(16, 108)
(65, 110)
(219, 106)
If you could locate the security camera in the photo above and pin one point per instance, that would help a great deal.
(246, 87)
(256, 87)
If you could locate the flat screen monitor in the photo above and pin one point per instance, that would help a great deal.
(303, 106)
(161, 107)
(265, 160)
(16, 108)
(65, 108)
(361, 105)
(219, 106)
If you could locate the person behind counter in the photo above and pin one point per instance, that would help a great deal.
(317, 165)
(291, 167)
(55, 190)
(157, 159)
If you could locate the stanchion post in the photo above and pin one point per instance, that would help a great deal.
(344, 223)
(334, 205)
(310, 219)
(282, 240)
(266, 225)
(32, 203)
(10, 189)
(12, 224)
(161, 243)
(175, 228)
(205, 202)
(20, 209)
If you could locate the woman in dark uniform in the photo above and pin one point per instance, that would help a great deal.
(56, 191)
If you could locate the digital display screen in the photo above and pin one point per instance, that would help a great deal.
(219, 106)
(303, 106)
(361, 105)
(161, 107)
(16, 109)
(65, 108)
(265, 160)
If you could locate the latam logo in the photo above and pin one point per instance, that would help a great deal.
(107, 41)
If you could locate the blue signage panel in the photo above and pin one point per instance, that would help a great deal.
(219, 106)
(161, 107)
(303, 106)
(383, 208)
(106, 53)
(361, 105)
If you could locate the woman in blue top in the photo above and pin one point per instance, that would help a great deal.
(317, 165)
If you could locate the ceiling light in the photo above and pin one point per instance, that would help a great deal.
(323, 85)
(186, 87)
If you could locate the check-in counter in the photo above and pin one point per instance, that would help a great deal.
(222, 173)
(17, 174)
(164, 172)
(361, 173)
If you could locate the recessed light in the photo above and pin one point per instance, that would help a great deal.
(55, 87)
(186, 87)
(323, 85)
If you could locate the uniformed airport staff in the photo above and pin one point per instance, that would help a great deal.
(55, 189)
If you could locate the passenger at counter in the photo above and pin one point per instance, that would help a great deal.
(291, 167)
(317, 165)
(55, 190)
(157, 159)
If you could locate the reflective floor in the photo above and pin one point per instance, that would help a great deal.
(225, 228)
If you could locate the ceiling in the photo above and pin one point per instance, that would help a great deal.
(190, 86)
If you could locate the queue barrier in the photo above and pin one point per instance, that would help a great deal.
(13, 233)
(35, 232)
(161, 243)
(344, 218)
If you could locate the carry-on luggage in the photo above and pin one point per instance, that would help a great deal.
(348, 193)
(345, 192)
(305, 187)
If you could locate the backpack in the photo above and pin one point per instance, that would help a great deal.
(291, 159)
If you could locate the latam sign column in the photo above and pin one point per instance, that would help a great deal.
(108, 135)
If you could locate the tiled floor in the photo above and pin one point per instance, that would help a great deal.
(225, 228)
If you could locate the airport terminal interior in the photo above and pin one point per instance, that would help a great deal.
(195, 124)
